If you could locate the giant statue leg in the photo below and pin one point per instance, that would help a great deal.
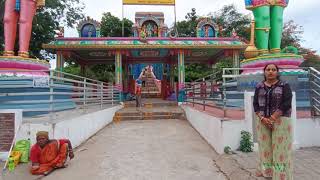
(10, 27)
(28, 10)
(276, 28)
(262, 18)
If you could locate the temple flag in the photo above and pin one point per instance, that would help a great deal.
(148, 2)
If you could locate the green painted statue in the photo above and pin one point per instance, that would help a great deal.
(268, 15)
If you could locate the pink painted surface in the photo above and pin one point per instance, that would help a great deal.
(231, 114)
(27, 74)
(151, 39)
(22, 65)
(11, 20)
(262, 63)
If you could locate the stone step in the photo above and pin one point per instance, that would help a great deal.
(147, 84)
(150, 92)
(149, 89)
(149, 116)
(148, 105)
(144, 113)
(151, 95)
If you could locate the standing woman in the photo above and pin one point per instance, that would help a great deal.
(272, 105)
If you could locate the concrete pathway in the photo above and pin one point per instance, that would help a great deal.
(140, 150)
(306, 163)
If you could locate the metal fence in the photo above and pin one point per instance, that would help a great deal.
(226, 91)
(46, 92)
(205, 91)
(314, 78)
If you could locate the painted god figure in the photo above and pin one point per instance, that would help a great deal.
(19, 12)
(268, 16)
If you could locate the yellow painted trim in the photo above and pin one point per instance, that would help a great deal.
(254, 7)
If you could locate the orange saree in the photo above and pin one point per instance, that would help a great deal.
(51, 156)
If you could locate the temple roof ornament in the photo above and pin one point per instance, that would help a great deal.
(152, 23)
(206, 27)
(96, 26)
(88, 20)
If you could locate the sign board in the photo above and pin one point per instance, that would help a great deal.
(7, 131)
(41, 81)
(249, 82)
(10, 121)
(149, 2)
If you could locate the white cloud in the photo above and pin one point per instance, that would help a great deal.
(304, 13)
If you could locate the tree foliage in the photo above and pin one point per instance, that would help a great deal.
(229, 18)
(1, 25)
(188, 27)
(101, 72)
(47, 20)
(291, 35)
(196, 71)
(111, 26)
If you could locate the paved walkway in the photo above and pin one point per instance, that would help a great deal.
(162, 150)
(306, 163)
(140, 150)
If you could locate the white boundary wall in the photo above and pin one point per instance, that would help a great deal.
(219, 133)
(77, 129)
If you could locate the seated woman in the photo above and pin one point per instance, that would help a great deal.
(47, 155)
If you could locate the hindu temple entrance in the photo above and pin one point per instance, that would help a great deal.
(153, 46)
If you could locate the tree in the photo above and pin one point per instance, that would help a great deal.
(196, 71)
(47, 20)
(1, 25)
(291, 35)
(311, 58)
(101, 72)
(111, 26)
(228, 19)
(188, 27)
(222, 63)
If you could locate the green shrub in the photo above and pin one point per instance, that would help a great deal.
(246, 144)
(227, 150)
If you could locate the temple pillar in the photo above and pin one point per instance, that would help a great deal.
(126, 77)
(59, 61)
(236, 61)
(171, 76)
(118, 74)
(181, 76)
(83, 68)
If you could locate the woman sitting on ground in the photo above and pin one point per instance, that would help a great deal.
(47, 155)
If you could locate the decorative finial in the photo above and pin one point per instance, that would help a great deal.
(251, 50)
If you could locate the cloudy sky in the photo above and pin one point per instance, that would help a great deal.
(305, 13)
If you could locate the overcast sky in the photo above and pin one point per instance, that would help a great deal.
(305, 13)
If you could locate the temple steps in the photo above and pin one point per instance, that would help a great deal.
(141, 114)
(154, 109)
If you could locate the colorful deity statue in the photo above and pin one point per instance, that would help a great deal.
(268, 15)
(19, 12)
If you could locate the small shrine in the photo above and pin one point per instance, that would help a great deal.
(149, 24)
(89, 28)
